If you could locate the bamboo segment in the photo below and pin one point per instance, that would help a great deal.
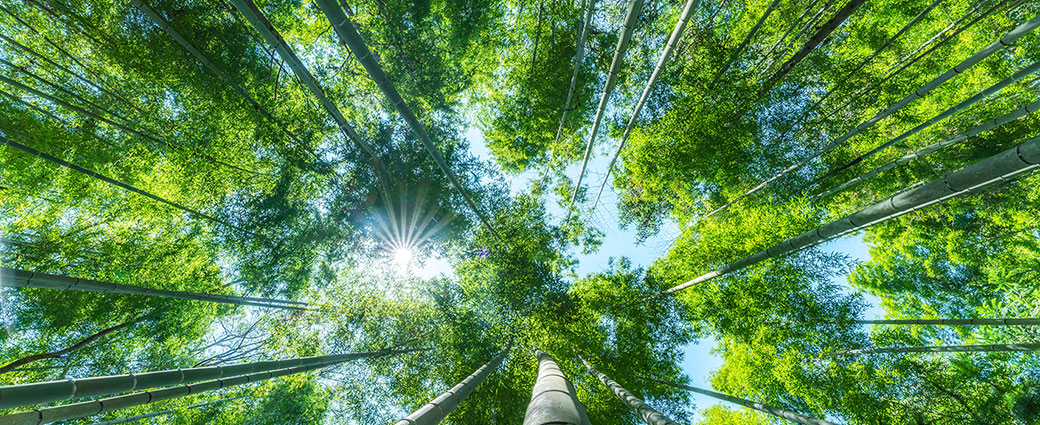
(12, 396)
(761, 407)
(953, 322)
(47, 415)
(666, 54)
(1007, 165)
(647, 413)
(349, 36)
(635, 8)
(25, 279)
(553, 399)
(263, 26)
(579, 55)
(435, 411)
(1007, 40)
(945, 349)
(163, 412)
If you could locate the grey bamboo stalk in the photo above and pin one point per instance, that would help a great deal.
(1001, 167)
(165, 412)
(212, 67)
(349, 36)
(743, 44)
(635, 8)
(25, 279)
(761, 407)
(927, 150)
(989, 91)
(945, 349)
(1007, 40)
(13, 396)
(47, 415)
(1026, 321)
(647, 413)
(579, 56)
(553, 399)
(435, 411)
(270, 34)
(666, 54)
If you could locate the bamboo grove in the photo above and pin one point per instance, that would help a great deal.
(384, 211)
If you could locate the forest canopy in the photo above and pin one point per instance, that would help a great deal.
(252, 212)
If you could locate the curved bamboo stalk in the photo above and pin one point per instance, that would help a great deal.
(349, 36)
(579, 55)
(1004, 166)
(1007, 40)
(635, 7)
(259, 22)
(25, 279)
(435, 411)
(553, 399)
(761, 407)
(647, 413)
(944, 349)
(666, 54)
(13, 396)
(743, 44)
(212, 382)
(165, 412)
(927, 150)
(1028, 321)
(1000, 85)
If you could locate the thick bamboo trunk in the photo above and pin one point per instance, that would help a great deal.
(435, 411)
(761, 407)
(927, 150)
(579, 55)
(26, 279)
(1007, 40)
(270, 34)
(1001, 167)
(647, 413)
(666, 54)
(164, 412)
(945, 349)
(553, 399)
(212, 382)
(953, 322)
(349, 36)
(635, 8)
(12, 396)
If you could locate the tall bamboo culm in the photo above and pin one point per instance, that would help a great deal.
(435, 411)
(945, 349)
(647, 413)
(164, 412)
(761, 407)
(553, 399)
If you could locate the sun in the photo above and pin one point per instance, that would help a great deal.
(402, 257)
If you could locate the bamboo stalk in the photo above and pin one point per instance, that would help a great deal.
(553, 399)
(1002, 167)
(647, 413)
(945, 349)
(761, 407)
(579, 55)
(434, 412)
(954, 322)
(743, 44)
(164, 412)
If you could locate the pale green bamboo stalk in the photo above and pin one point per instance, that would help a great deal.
(13, 396)
(47, 415)
(761, 407)
(635, 8)
(666, 54)
(944, 349)
(747, 40)
(165, 412)
(1028, 321)
(1007, 40)
(579, 55)
(927, 150)
(349, 36)
(434, 412)
(25, 279)
(647, 413)
(270, 34)
(1007, 165)
(553, 399)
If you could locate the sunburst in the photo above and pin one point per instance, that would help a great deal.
(405, 226)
